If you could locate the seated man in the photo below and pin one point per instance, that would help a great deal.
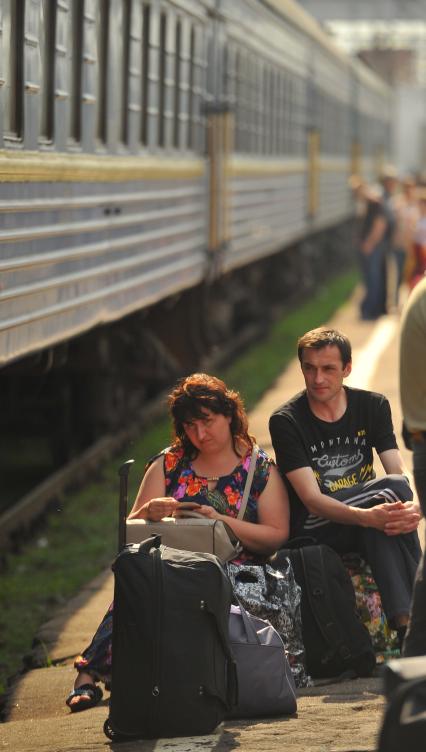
(323, 440)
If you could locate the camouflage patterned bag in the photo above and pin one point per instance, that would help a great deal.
(274, 595)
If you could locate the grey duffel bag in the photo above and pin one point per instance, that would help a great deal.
(265, 682)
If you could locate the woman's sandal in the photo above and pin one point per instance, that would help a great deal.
(91, 690)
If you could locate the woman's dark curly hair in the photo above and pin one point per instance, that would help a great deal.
(198, 392)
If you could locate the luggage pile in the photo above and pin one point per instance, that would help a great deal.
(182, 658)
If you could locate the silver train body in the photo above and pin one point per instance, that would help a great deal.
(148, 148)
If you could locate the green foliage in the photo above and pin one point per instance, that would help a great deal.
(79, 538)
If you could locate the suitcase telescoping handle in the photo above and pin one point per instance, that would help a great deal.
(122, 506)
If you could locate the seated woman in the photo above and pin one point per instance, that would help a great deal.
(207, 463)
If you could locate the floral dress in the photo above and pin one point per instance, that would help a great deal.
(182, 482)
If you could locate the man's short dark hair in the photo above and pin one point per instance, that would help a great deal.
(316, 339)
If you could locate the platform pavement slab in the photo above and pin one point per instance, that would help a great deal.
(72, 628)
(334, 718)
(341, 717)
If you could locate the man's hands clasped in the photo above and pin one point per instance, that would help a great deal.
(394, 518)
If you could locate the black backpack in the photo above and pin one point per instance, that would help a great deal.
(336, 642)
(173, 673)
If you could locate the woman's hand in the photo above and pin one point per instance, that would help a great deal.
(211, 513)
(155, 509)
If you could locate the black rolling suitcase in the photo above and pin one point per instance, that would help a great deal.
(336, 642)
(173, 673)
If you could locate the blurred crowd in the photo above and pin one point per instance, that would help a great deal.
(391, 239)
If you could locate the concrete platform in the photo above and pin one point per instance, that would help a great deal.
(341, 717)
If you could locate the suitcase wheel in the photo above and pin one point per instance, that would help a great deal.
(111, 734)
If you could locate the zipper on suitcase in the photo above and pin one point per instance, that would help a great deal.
(158, 594)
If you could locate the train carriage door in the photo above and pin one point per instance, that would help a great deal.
(219, 149)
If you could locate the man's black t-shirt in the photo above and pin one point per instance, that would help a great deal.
(374, 210)
(340, 453)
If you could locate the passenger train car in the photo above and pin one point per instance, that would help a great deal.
(166, 168)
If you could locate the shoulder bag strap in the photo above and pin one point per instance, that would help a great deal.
(249, 479)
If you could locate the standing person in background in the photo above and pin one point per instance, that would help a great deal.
(407, 215)
(372, 252)
(412, 370)
(390, 197)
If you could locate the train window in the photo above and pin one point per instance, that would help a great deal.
(178, 83)
(77, 26)
(238, 112)
(47, 51)
(161, 82)
(244, 114)
(225, 72)
(340, 129)
(13, 40)
(231, 76)
(266, 110)
(287, 113)
(103, 49)
(320, 119)
(259, 106)
(241, 113)
(200, 88)
(190, 136)
(269, 145)
(125, 72)
(329, 122)
(274, 111)
(146, 17)
(256, 104)
(298, 115)
(213, 67)
(251, 104)
(282, 114)
(246, 103)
